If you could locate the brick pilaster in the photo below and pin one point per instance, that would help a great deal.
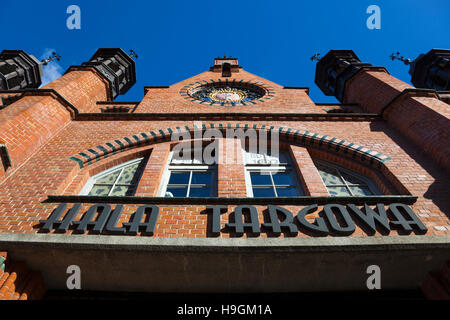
(151, 177)
(307, 172)
(230, 169)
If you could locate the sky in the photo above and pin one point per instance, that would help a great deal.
(176, 39)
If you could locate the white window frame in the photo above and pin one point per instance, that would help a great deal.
(272, 168)
(368, 182)
(91, 182)
(173, 167)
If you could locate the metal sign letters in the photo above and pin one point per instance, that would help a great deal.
(333, 219)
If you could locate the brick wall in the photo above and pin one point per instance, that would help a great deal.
(421, 117)
(43, 166)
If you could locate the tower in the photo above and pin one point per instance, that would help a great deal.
(432, 70)
(420, 114)
(39, 114)
(19, 70)
(116, 66)
(334, 69)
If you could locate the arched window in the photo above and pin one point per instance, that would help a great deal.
(189, 175)
(120, 180)
(344, 182)
(268, 175)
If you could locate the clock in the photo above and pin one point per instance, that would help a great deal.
(227, 93)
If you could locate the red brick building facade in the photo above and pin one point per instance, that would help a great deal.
(386, 139)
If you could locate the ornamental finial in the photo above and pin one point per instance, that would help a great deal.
(53, 57)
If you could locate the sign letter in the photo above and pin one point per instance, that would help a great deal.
(216, 211)
(335, 226)
(275, 224)
(319, 226)
(405, 224)
(370, 217)
(136, 224)
(239, 224)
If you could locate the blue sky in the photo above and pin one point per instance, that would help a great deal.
(273, 39)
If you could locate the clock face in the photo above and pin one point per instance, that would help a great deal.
(227, 93)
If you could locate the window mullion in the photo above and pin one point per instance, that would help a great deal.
(273, 185)
(189, 184)
(115, 181)
(345, 181)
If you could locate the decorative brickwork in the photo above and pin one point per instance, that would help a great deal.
(306, 138)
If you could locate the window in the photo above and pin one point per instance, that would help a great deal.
(118, 181)
(270, 176)
(189, 177)
(343, 182)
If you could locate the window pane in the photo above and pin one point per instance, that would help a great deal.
(179, 177)
(329, 175)
(201, 177)
(284, 157)
(128, 174)
(199, 192)
(109, 178)
(99, 190)
(361, 191)
(338, 191)
(176, 192)
(351, 179)
(260, 178)
(283, 178)
(121, 191)
(287, 192)
(263, 192)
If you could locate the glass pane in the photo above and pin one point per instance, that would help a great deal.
(177, 177)
(120, 191)
(199, 192)
(351, 179)
(260, 178)
(282, 178)
(201, 177)
(263, 192)
(284, 157)
(287, 192)
(109, 178)
(128, 174)
(329, 175)
(99, 190)
(338, 191)
(176, 192)
(361, 191)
